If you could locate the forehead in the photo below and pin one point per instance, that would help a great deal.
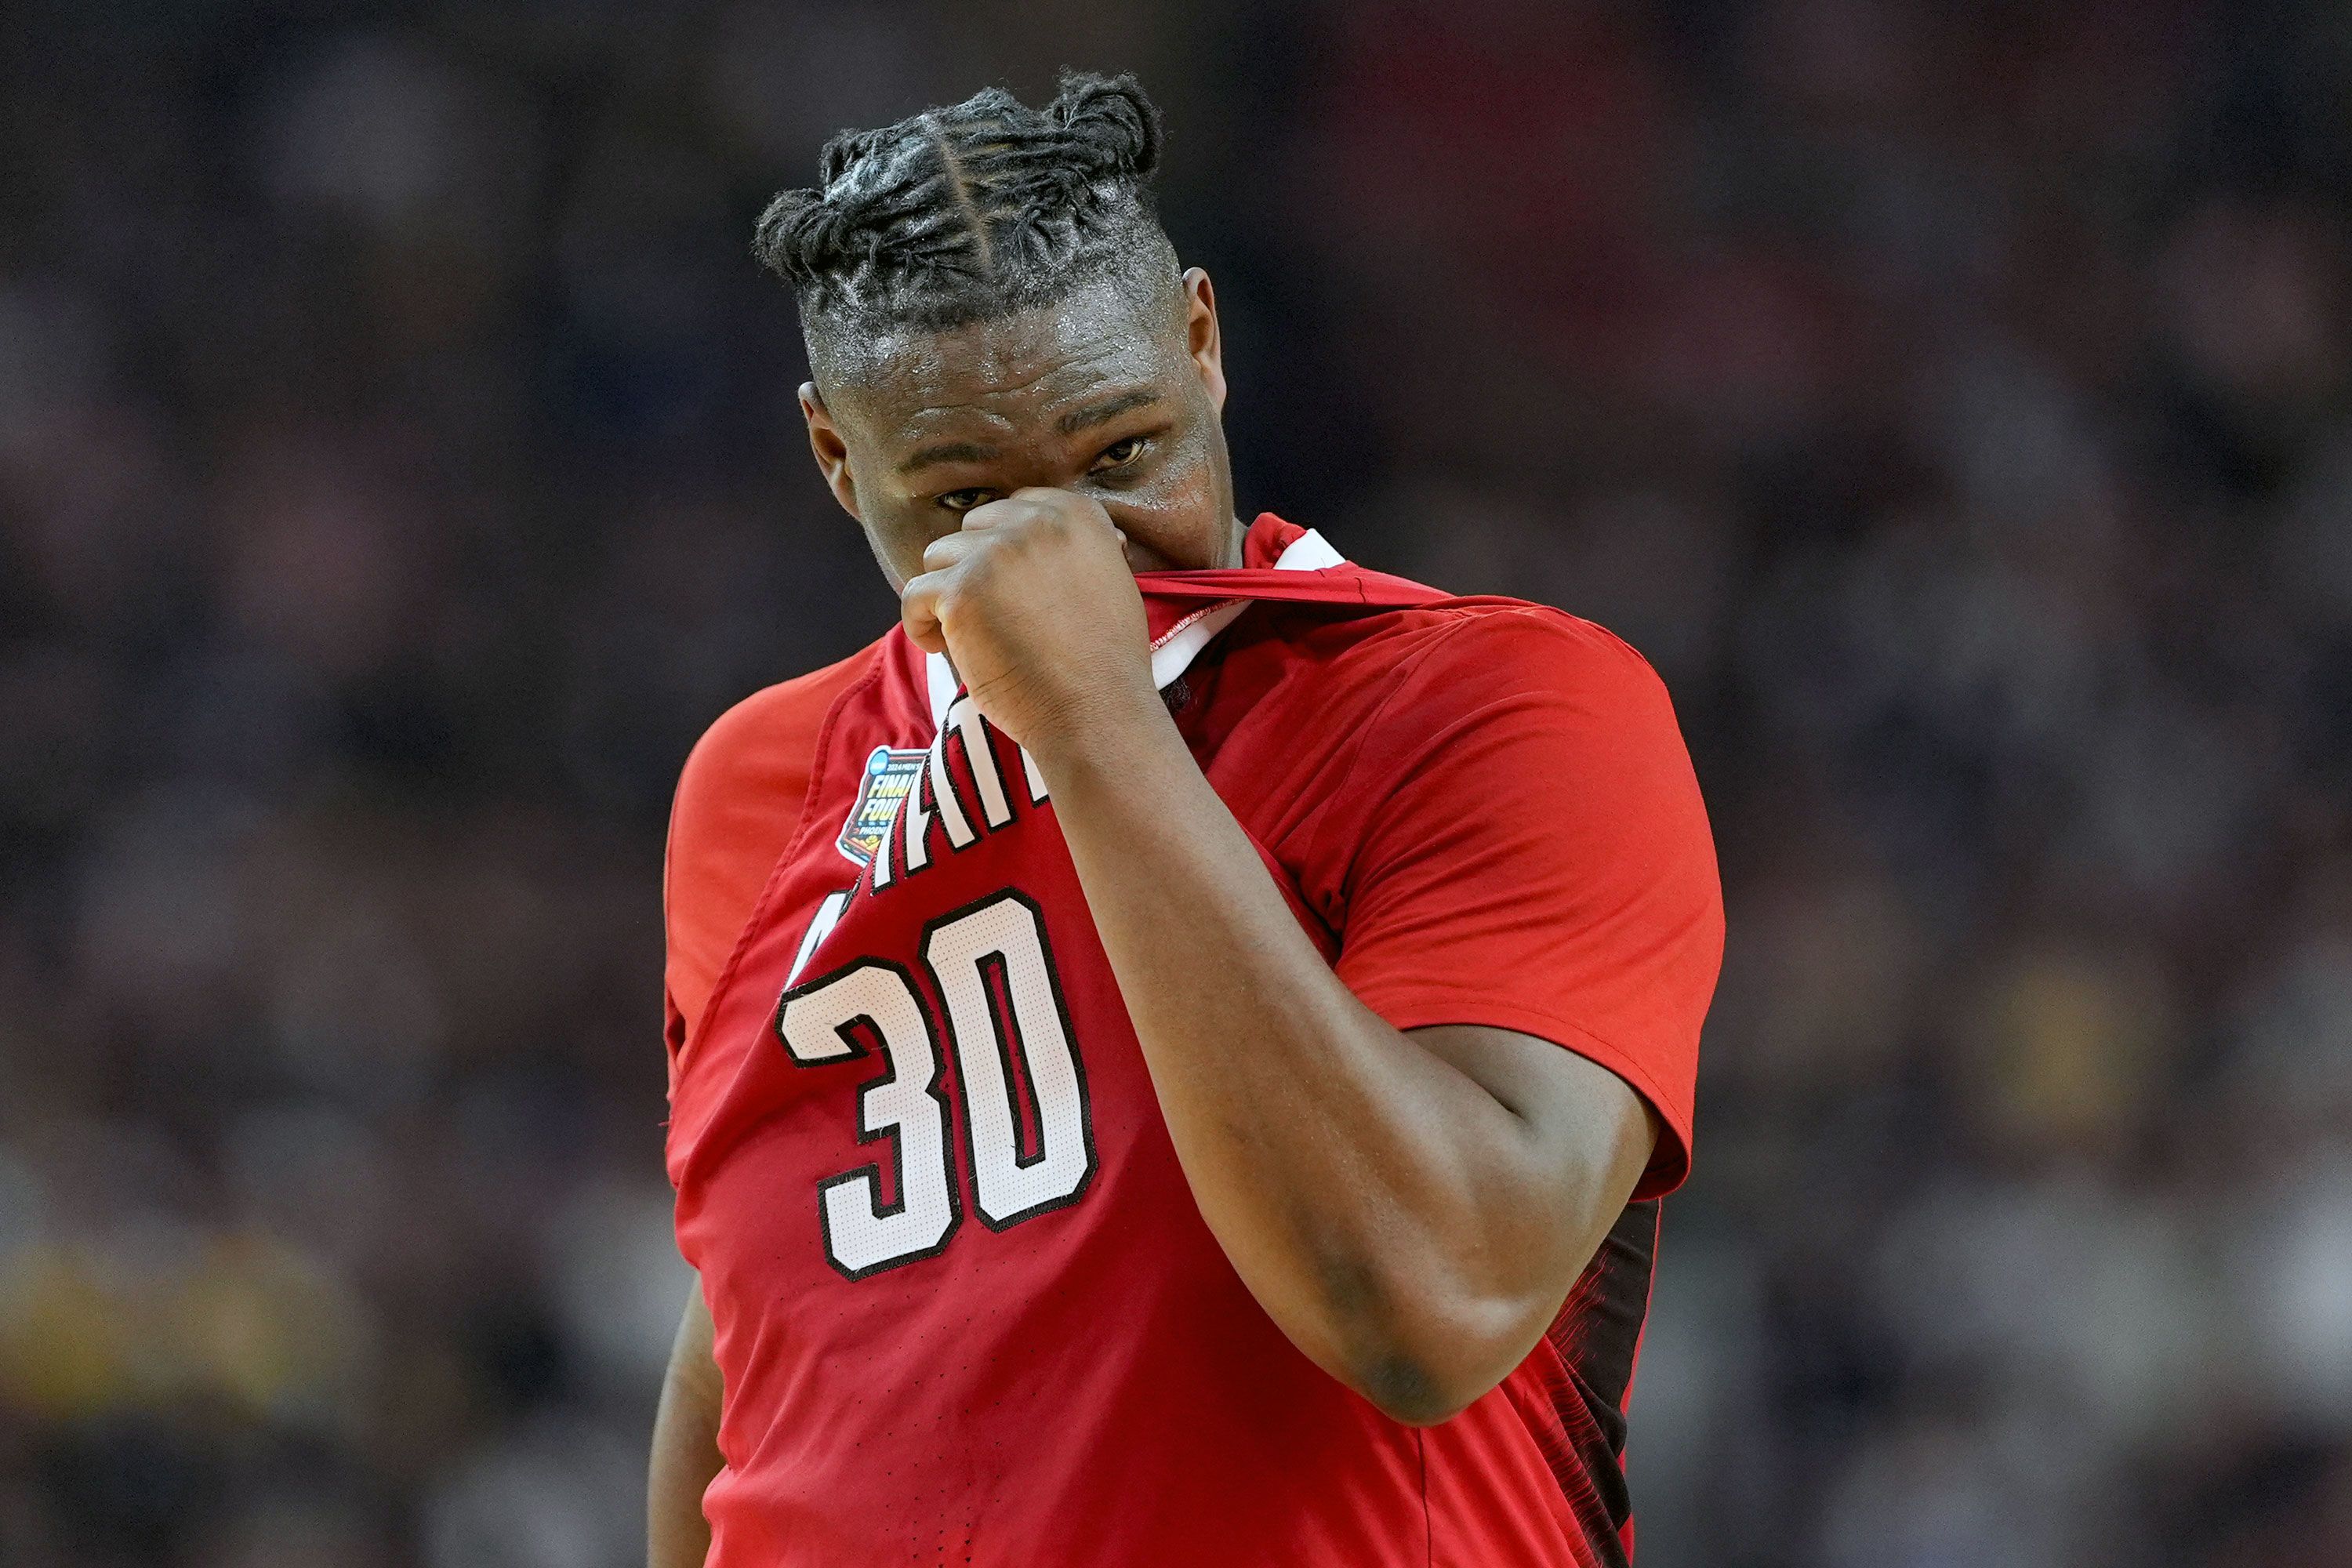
(1011, 370)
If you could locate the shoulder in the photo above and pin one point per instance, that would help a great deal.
(738, 806)
(1510, 642)
(1454, 660)
(740, 794)
(762, 742)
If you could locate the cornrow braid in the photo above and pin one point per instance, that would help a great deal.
(972, 210)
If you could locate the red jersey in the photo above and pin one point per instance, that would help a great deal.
(966, 1309)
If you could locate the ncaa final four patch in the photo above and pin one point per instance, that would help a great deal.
(890, 774)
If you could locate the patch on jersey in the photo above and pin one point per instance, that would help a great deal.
(890, 774)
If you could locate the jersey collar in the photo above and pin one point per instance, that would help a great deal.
(1283, 546)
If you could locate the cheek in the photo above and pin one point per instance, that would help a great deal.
(898, 536)
(897, 528)
(1182, 514)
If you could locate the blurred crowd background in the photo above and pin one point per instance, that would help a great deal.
(399, 467)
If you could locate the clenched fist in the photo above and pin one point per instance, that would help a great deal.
(1034, 602)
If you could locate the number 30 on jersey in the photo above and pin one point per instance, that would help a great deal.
(1008, 1029)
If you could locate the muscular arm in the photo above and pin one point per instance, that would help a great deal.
(684, 1446)
(1411, 1209)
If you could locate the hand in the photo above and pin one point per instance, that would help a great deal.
(1034, 602)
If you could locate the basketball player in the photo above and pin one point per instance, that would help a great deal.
(1175, 1050)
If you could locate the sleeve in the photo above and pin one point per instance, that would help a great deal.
(688, 963)
(673, 1038)
(737, 806)
(1539, 859)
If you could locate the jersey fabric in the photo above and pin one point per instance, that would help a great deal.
(738, 804)
(966, 1309)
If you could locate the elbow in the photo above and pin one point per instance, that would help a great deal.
(1445, 1364)
(1422, 1333)
(1408, 1390)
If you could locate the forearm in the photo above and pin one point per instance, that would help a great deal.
(1410, 1210)
(685, 1455)
(1388, 1211)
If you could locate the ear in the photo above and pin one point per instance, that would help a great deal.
(831, 452)
(1203, 338)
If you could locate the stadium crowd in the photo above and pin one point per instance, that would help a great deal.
(399, 467)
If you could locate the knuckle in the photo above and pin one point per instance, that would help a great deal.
(979, 569)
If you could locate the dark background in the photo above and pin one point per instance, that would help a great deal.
(399, 467)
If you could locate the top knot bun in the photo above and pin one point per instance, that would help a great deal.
(1111, 122)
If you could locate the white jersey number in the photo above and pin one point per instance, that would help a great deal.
(1028, 1129)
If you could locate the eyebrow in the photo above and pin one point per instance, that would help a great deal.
(1069, 424)
(1109, 408)
(947, 452)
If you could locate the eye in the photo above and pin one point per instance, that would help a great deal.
(1119, 454)
(963, 500)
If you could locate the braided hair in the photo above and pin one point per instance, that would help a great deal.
(974, 211)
